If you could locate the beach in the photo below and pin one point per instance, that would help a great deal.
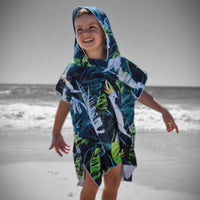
(165, 170)
(168, 163)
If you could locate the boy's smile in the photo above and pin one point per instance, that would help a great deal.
(90, 36)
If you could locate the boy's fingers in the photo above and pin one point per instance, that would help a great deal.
(60, 146)
(58, 152)
(171, 127)
(176, 127)
(64, 151)
(51, 147)
(66, 144)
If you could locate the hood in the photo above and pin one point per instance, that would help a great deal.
(111, 45)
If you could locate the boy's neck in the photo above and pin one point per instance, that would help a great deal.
(96, 55)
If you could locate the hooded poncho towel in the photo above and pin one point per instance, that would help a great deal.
(102, 93)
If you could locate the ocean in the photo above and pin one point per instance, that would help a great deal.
(26, 107)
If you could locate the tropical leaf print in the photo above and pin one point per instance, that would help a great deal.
(81, 62)
(120, 86)
(116, 54)
(114, 67)
(91, 110)
(76, 61)
(115, 151)
(113, 98)
(131, 154)
(102, 104)
(126, 78)
(78, 166)
(95, 165)
(85, 61)
(80, 141)
(132, 129)
(76, 105)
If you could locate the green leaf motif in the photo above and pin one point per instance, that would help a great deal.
(131, 154)
(80, 141)
(115, 151)
(132, 130)
(79, 167)
(120, 86)
(102, 104)
(95, 166)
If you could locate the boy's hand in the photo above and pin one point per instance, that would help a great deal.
(59, 144)
(169, 122)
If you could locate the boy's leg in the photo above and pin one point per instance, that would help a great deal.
(111, 183)
(90, 189)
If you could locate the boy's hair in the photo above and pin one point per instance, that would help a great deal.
(83, 11)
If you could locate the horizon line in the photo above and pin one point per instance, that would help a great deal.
(177, 86)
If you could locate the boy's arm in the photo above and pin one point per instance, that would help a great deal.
(149, 101)
(58, 142)
(61, 115)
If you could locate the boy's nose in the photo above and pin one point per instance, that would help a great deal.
(86, 32)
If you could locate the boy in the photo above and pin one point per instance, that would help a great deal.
(100, 88)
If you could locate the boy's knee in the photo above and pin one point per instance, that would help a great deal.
(112, 183)
(112, 179)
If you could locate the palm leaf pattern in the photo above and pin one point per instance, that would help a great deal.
(91, 110)
(102, 104)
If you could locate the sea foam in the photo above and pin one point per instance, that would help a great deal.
(187, 120)
(24, 107)
(26, 116)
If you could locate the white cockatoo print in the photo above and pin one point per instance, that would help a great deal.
(113, 99)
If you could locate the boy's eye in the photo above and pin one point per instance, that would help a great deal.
(92, 27)
(79, 30)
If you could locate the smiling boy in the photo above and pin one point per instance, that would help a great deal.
(90, 36)
(100, 88)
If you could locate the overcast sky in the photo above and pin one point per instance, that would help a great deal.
(160, 36)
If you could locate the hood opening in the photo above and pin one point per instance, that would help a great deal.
(111, 45)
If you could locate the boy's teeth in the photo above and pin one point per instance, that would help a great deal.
(89, 40)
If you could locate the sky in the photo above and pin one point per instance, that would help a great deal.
(162, 37)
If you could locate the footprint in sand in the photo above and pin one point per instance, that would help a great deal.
(53, 172)
(70, 194)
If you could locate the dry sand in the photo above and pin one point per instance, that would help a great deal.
(168, 168)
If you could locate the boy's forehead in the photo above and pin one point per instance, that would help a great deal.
(85, 20)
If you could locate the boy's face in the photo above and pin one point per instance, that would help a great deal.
(90, 36)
